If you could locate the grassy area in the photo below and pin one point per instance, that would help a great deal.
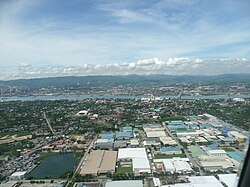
(121, 169)
(169, 156)
(18, 134)
(227, 149)
(78, 156)
(45, 155)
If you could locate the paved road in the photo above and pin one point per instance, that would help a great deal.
(185, 150)
(47, 120)
(82, 160)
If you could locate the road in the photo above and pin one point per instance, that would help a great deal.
(47, 120)
(185, 150)
(82, 160)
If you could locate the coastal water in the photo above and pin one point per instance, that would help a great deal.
(54, 166)
(107, 96)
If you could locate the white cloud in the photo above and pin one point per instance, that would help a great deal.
(53, 47)
(172, 66)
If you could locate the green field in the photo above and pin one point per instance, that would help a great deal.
(121, 169)
(228, 149)
(169, 156)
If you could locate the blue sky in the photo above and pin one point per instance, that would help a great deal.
(60, 37)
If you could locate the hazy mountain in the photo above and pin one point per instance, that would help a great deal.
(97, 81)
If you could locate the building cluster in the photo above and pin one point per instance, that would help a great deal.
(198, 146)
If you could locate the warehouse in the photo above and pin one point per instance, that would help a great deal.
(154, 131)
(219, 152)
(231, 180)
(196, 151)
(127, 129)
(120, 144)
(198, 181)
(107, 135)
(214, 163)
(139, 159)
(170, 150)
(124, 135)
(166, 140)
(179, 165)
(239, 137)
(151, 143)
(18, 175)
(238, 156)
(134, 143)
(104, 143)
(155, 134)
(127, 183)
(99, 161)
(185, 134)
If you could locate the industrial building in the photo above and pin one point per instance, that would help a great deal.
(239, 137)
(139, 159)
(170, 150)
(104, 143)
(231, 180)
(18, 175)
(120, 144)
(107, 135)
(196, 151)
(124, 135)
(149, 143)
(98, 162)
(166, 140)
(125, 183)
(134, 143)
(198, 181)
(154, 131)
(178, 165)
(214, 163)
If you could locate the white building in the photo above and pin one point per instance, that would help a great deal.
(239, 137)
(231, 180)
(139, 159)
(167, 140)
(179, 165)
(198, 181)
(219, 152)
(18, 175)
(185, 134)
(125, 183)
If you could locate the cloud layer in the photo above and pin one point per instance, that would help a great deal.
(64, 37)
(172, 66)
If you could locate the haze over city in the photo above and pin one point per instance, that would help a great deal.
(62, 38)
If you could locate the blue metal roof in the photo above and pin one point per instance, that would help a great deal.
(107, 135)
(176, 122)
(167, 149)
(213, 147)
(225, 130)
(228, 139)
(127, 129)
(174, 127)
(124, 135)
(205, 125)
(236, 155)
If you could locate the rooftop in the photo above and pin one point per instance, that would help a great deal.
(99, 161)
(127, 183)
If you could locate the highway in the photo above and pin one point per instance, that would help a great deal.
(185, 150)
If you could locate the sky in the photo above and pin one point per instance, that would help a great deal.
(44, 38)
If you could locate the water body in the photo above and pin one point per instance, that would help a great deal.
(54, 166)
(107, 96)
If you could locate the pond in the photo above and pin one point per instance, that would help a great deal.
(54, 166)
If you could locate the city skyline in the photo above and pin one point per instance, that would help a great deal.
(48, 38)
